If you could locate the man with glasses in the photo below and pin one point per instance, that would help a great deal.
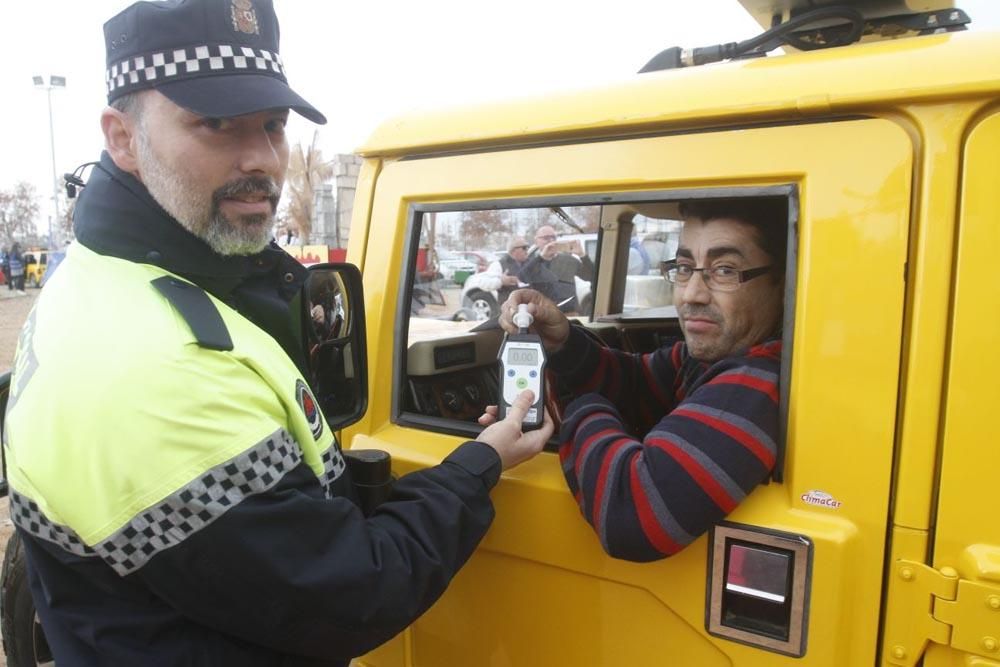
(705, 408)
(553, 266)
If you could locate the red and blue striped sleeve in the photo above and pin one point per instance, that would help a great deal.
(644, 386)
(647, 499)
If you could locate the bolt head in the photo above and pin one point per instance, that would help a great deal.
(990, 644)
(898, 652)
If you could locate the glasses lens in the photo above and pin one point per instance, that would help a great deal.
(548, 237)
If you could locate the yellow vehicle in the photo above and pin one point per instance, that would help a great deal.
(878, 540)
(880, 529)
(35, 263)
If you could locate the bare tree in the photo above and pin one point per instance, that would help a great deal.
(481, 228)
(18, 210)
(306, 171)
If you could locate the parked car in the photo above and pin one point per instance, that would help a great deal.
(481, 258)
(453, 267)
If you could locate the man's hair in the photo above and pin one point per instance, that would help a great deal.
(129, 103)
(767, 215)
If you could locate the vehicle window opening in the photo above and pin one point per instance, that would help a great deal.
(606, 273)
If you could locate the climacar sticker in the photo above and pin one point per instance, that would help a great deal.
(821, 498)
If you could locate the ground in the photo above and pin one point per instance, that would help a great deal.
(14, 310)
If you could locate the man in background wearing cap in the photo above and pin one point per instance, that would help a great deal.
(179, 498)
(501, 275)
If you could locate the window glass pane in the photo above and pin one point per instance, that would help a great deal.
(652, 241)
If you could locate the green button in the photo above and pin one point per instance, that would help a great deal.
(522, 383)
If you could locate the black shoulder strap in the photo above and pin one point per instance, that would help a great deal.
(198, 311)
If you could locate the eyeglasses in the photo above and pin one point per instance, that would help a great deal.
(520, 247)
(547, 237)
(721, 278)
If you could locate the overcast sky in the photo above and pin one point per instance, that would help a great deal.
(361, 62)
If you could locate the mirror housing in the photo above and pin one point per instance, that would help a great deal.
(335, 342)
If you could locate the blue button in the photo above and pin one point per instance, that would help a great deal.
(533, 374)
(510, 372)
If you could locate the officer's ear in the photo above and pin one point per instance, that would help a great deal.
(121, 139)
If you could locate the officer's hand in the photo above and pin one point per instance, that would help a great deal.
(505, 436)
(550, 323)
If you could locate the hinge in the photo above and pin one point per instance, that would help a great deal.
(935, 605)
(974, 617)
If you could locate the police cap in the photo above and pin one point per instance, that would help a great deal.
(217, 58)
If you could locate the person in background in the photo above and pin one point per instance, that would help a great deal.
(553, 267)
(5, 268)
(15, 262)
(501, 275)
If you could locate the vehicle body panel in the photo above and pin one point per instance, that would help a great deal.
(540, 555)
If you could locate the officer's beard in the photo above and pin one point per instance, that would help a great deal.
(199, 213)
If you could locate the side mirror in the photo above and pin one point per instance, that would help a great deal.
(334, 320)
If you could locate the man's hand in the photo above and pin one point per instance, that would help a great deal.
(550, 250)
(576, 248)
(505, 436)
(508, 280)
(550, 323)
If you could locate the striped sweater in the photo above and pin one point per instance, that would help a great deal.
(710, 434)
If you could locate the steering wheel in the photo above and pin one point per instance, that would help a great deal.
(553, 402)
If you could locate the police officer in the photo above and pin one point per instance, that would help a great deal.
(179, 499)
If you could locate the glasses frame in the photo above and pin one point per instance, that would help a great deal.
(742, 276)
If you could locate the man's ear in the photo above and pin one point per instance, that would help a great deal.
(120, 139)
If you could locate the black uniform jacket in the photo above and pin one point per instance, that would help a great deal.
(286, 577)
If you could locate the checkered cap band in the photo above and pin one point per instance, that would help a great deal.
(139, 72)
(180, 515)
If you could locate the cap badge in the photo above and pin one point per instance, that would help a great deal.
(244, 17)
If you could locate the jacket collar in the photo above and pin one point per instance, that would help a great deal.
(116, 216)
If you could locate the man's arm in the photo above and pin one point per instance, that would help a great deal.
(648, 499)
(491, 278)
(306, 575)
(641, 385)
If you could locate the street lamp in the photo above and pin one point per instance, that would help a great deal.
(53, 82)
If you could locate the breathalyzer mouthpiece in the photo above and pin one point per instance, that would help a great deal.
(522, 318)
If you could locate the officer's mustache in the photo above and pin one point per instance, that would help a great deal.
(251, 185)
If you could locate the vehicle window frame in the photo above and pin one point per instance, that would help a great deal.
(415, 216)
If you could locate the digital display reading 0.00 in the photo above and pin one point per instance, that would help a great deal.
(522, 356)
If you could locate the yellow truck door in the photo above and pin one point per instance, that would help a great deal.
(966, 547)
(540, 590)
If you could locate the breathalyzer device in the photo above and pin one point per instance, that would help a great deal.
(522, 363)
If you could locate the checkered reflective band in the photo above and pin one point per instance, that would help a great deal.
(334, 466)
(179, 515)
(194, 61)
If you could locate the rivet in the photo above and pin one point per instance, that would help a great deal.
(289, 277)
(906, 573)
(993, 602)
(898, 652)
(990, 644)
